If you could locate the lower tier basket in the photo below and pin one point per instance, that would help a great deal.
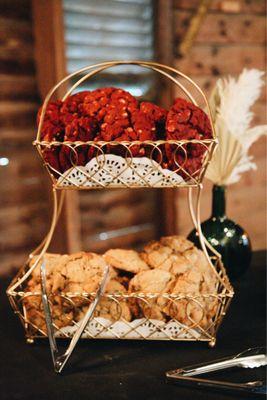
(152, 316)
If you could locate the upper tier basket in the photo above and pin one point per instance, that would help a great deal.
(118, 164)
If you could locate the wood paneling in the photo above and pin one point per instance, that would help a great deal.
(23, 212)
(17, 9)
(226, 6)
(222, 60)
(226, 29)
(50, 59)
(121, 217)
(117, 218)
(18, 87)
(164, 42)
(229, 40)
(16, 45)
(231, 37)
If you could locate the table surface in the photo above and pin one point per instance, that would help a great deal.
(125, 370)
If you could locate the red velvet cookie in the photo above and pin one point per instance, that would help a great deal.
(114, 115)
(185, 121)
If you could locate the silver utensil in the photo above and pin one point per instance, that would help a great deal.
(250, 358)
(59, 361)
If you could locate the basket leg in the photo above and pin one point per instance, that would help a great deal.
(30, 340)
(212, 343)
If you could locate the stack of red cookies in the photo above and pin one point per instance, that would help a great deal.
(111, 114)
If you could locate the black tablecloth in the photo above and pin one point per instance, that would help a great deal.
(108, 369)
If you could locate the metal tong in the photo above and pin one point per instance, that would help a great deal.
(250, 358)
(59, 360)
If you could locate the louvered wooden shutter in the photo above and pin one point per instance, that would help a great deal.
(97, 31)
(104, 30)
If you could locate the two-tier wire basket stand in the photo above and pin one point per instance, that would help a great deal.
(114, 164)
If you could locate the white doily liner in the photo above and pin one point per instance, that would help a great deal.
(112, 170)
(103, 328)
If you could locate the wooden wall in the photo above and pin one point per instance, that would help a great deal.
(227, 42)
(117, 218)
(23, 210)
(113, 218)
(232, 37)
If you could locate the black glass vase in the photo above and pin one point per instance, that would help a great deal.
(228, 238)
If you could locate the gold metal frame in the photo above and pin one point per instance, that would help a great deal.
(17, 291)
(155, 156)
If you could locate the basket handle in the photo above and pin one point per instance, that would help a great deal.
(96, 68)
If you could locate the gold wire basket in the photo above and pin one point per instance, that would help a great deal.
(114, 164)
(187, 317)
